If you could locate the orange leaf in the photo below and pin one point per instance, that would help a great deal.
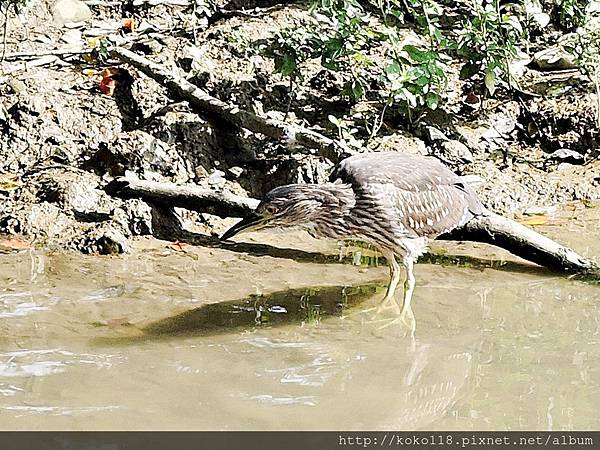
(178, 246)
(129, 24)
(108, 84)
(14, 244)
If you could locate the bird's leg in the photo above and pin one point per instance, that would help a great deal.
(409, 283)
(405, 314)
(388, 299)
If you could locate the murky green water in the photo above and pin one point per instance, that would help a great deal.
(220, 339)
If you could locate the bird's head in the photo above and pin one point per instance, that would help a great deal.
(290, 205)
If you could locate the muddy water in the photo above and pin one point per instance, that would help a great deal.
(227, 338)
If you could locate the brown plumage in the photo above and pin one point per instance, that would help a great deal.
(397, 202)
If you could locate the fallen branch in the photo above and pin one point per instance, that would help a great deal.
(522, 241)
(213, 108)
(222, 204)
(489, 229)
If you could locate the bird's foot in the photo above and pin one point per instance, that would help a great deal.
(404, 319)
(384, 306)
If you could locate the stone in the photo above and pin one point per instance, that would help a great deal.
(435, 135)
(70, 11)
(456, 152)
(566, 155)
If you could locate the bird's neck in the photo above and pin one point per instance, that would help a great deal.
(337, 202)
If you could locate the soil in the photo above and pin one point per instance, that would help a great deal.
(62, 139)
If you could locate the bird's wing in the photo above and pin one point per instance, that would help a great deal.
(422, 196)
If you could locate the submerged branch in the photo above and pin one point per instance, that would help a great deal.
(489, 229)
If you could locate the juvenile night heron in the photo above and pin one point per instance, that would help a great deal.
(395, 201)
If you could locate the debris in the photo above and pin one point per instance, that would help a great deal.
(455, 153)
(9, 182)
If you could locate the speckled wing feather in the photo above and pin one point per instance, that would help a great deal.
(415, 195)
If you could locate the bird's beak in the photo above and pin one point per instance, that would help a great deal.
(247, 223)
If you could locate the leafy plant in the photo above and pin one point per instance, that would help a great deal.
(337, 38)
(416, 76)
(346, 133)
(489, 43)
(571, 13)
(585, 46)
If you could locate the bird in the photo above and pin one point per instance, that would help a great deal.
(397, 202)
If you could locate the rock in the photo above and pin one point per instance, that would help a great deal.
(201, 172)
(73, 37)
(235, 171)
(404, 143)
(455, 152)
(435, 135)
(17, 85)
(70, 12)
(105, 240)
(554, 58)
(566, 155)
(217, 178)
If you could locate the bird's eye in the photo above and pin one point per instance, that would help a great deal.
(271, 209)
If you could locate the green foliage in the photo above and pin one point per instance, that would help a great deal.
(411, 76)
(489, 43)
(571, 13)
(5, 5)
(290, 48)
(338, 38)
(585, 46)
(416, 76)
(346, 133)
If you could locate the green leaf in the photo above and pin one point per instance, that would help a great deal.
(490, 81)
(286, 64)
(432, 100)
(393, 69)
(358, 90)
(334, 120)
(418, 55)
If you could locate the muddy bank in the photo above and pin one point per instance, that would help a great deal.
(62, 140)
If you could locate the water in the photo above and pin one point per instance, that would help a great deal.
(215, 338)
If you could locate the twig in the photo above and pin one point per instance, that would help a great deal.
(40, 53)
(43, 61)
(222, 204)
(524, 242)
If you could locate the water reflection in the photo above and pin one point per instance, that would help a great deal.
(292, 306)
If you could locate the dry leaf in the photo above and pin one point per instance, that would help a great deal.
(129, 24)
(9, 182)
(178, 246)
(14, 244)
(535, 220)
(108, 84)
